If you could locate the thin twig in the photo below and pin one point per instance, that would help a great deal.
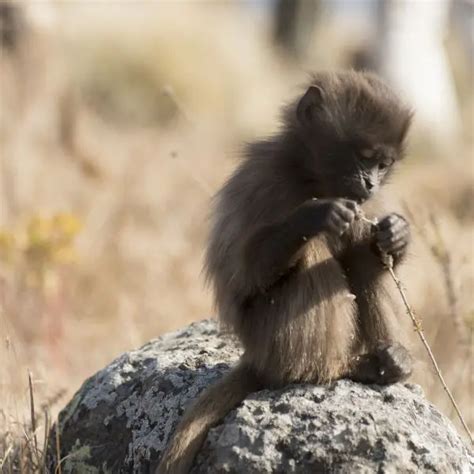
(441, 255)
(169, 92)
(46, 439)
(388, 262)
(440, 252)
(58, 469)
(31, 451)
(32, 408)
(419, 330)
(5, 456)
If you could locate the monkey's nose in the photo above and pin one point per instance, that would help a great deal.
(368, 184)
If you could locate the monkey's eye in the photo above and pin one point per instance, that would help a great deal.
(383, 165)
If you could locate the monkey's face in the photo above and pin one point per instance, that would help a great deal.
(357, 170)
(354, 127)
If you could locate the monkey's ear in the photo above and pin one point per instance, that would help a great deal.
(309, 104)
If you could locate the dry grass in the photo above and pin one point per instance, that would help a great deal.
(124, 130)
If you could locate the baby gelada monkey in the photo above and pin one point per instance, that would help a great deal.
(297, 274)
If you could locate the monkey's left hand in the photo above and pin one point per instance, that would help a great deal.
(392, 235)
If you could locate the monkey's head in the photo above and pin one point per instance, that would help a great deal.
(354, 128)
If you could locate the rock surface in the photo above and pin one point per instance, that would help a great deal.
(122, 417)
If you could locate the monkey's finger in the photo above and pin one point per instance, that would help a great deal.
(399, 245)
(389, 247)
(399, 228)
(391, 218)
(395, 227)
(345, 214)
(399, 224)
(352, 205)
(337, 224)
(343, 217)
(337, 221)
(384, 223)
(392, 241)
(390, 221)
(335, 229)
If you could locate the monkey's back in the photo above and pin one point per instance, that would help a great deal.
(289, 330)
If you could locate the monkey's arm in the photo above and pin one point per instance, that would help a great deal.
(365, 273)
(272, 250)
(390, 236)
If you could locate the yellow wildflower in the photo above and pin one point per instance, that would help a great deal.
(67, 225)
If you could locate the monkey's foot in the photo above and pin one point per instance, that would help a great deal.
(390, 363)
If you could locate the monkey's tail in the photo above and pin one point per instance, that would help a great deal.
(210, 407)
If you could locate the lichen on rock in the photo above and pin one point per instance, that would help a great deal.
(122, 418)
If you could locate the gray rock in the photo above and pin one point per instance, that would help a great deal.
(122, 418)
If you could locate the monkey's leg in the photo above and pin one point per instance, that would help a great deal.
(387, 364)
(379, 308)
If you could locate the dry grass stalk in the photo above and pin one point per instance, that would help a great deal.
(442, 255)
(32, 411)
(419, 330)
(46, 438)
(19, 448)
(388, 262)
(58, 469)
(169, 92)
(439, 251)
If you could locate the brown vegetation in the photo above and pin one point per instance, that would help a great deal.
(113, 136)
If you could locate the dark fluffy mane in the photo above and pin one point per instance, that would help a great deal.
(355, 103)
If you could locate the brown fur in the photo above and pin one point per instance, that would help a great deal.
(288, 297)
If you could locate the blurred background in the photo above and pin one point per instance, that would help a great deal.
(120, 119)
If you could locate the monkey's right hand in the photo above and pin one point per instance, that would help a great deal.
(329, 215)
